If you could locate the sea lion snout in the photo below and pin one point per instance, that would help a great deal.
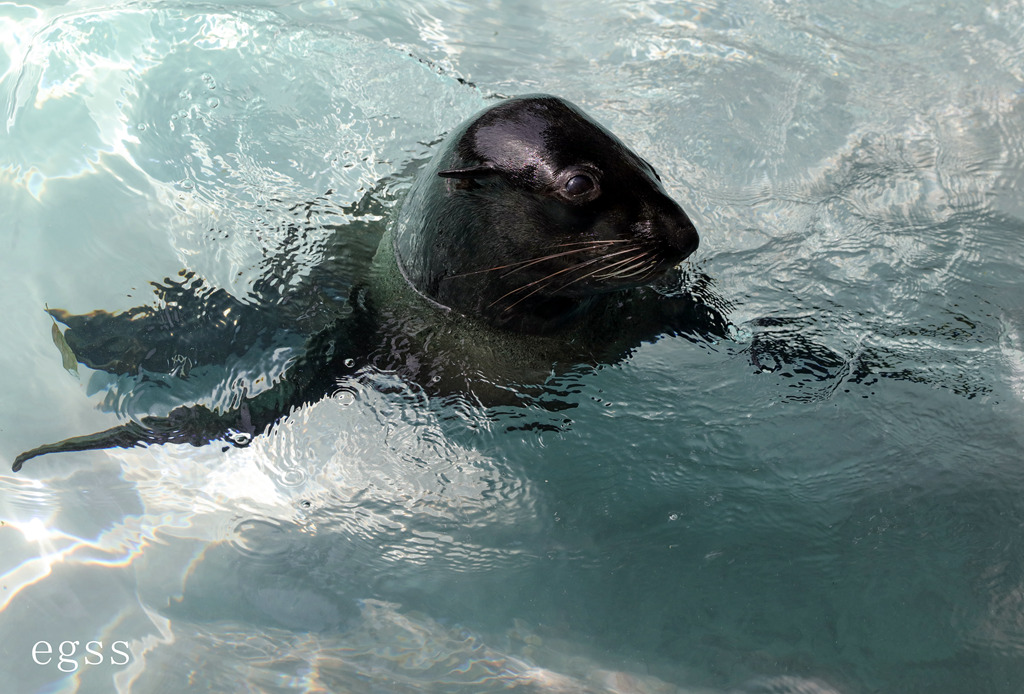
(678, 231)
(667, 230)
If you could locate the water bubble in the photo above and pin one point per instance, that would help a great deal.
(208, 80)
(186, 184)
(240, 438)
(350, 363)
(140, 127)
(259, 538)
(292, 477)
(213, 102)
(185, 95)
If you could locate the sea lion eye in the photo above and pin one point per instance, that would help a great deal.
(580, 184)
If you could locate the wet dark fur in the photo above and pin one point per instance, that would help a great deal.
(534, 238)
(497, 236)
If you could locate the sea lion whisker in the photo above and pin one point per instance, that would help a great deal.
(549, 279)
(594, 273)
(606, 272)
(542, 259)
(601, 259)
(590, 243)
(643, 268)
(546, 278)
(586, 245)
(642, 263)
(551, 276)
(519, 264)
(609, 270)
(652, 266)
(543, 281)
(616, 253)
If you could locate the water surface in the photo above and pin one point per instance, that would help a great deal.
(828, 502)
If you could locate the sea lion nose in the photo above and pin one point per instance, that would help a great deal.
(672, 229)
(684, 236)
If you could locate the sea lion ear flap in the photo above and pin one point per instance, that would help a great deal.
(470, 173)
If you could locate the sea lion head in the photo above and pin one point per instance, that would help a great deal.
(530, 212)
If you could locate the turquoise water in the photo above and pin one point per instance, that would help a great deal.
(830, 502)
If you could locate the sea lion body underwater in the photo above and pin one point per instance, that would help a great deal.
(530, 241)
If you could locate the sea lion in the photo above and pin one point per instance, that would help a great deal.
(535, 211)
(531, 241)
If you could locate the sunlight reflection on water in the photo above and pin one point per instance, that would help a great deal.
(827, 503)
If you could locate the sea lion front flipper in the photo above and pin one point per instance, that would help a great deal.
(191, 324)
(196, 425)
(331, 355)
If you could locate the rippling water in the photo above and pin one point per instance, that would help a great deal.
(830, 502)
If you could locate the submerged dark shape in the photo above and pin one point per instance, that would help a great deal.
(533, 240)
